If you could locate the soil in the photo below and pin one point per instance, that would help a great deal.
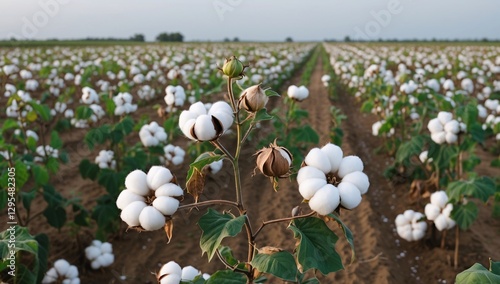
(381, 256)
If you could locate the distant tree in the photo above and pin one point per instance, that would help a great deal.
(347, 39)
(236, 39)
(226, 39)
(138, 37)
(164, 37)
(288, 39)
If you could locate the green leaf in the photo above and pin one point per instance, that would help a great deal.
(203, 160)
(347, 233)
(42, 110)
(111, 180)
(316, 249)
(280, 264)
(367, 106)
(40, 174)
(43, 255)
(227, 254)
(477, 274)
(495, 267)
(305, 134)
(24, 241)
(482, 188)
(410, 148)
(55, 141)
(227, 277)
(88, 169)
(56, 216)
(262, 115)
(271, 93)
(106, 215)
(22, 174)
(27, 197)
(97, 136)
(83, 112)
(9, 124)
(216, 227)
(465, 215)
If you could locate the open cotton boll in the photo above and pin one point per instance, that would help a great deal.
(170, 268)
(151, 219)
(106, 248)
(423, 157)
(439, 198)
(136, 182)
(334, 154)
(166, 205)
(72, 272)
(303, 93)
(350, 164)
(216, 166)
(359, 179)
(171, 279)
(350, 197)
(50, 276)
(435, 125)
(439, 137)
(376, 127)
(204, 128)
(309, 172)
(106, 259)
(441, 222)
(92, 252)
(451, 138)
(189, 273)
(293, 91)
(317, 158)
(169, 189)
(432, 211)
(130, 214)
(62, 266)
(309, 187)
(445, 117)
(325, 200)
(452, 126)
(158, 176)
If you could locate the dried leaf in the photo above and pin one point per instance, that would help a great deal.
(196, 184)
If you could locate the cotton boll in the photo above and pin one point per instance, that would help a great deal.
(136, 182)
(432, 211)
(189, 273)
(451, 138)
(452, 126)
(309, 172)
(186, 128)
(350, 197)
(130, 214)
(438, 137)
(106, 248)
(151, 219)
(325, 200)
(447, 210)
(401, 220)
(95, 264)
(126, 197)
(61, 266)
(405, 233)
(158, 176)
(419, 234)
(444, 117)
(409, 214)
(50, 276)
(106, 259)
(317, 158)
(72, 272)
(198, 108)
(204, 128)
(441, 223)
(171, 279)
(439, 199)
(350, 164)
(359, 179)
(435, 125)
(334, 154)
(166, 205)
(92, 252)
(169, 189)
(170, 268)
(309, 187)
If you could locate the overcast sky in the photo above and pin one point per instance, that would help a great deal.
(264, 20)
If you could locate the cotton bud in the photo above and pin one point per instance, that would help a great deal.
(233, 68)
(253, 99)
(274, 161)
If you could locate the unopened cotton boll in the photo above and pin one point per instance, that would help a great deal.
(189, 273)
(136, 182)
(350, 164)
(151, 219)
(325, 200)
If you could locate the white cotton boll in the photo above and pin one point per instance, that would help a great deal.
(451, 138)
(206, 276)
(309, 187)
(350, 164)
(225, 119)
(166, 205)
(444, 117)
(221, 106)
(161, 135)
(158, 176)
(359, 179)
(62, 266)
(450, 223)
(317, 158)
(419, 225)
(419, 234)
(136, 182)
(96, 243)
(334, 154)
(452, 126)
(171, 279)
(169, 99)
(177, 160)
(106, 248)
(435, 125)
(482, 112)
(376, 128)
(467, 85)
(170, 268)
(189, 273)
(303, 93)
(106, 259)
(409, 214)
(432, 211)
(439, 198)
(441, 223)
(325, 200)
(187, 127)
(401, 220)
(448, 85)
(204, 128)
(438, 137)
(350, 197)
(405, 232)
(169, 189)
(423, 157)
(92, 252)
(50, 276)
(130, 214)
(95, 264)
(198, 108)
(72, 272)
(447, 210)
(215, 167)
(293, 91)
(309, 172)
(151, 219)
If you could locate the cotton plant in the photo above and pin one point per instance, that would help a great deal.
(411, 225)
(44, 152)
(146, 93)
(439, 211)
(105, 160)
(149, 199)
(172, 273)
(62, 272)
(99, 254)
(329, 180)
(173, 155)
(152, 134)
(444, 128)
(123, 104)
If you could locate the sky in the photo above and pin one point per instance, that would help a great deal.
(260, 20)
